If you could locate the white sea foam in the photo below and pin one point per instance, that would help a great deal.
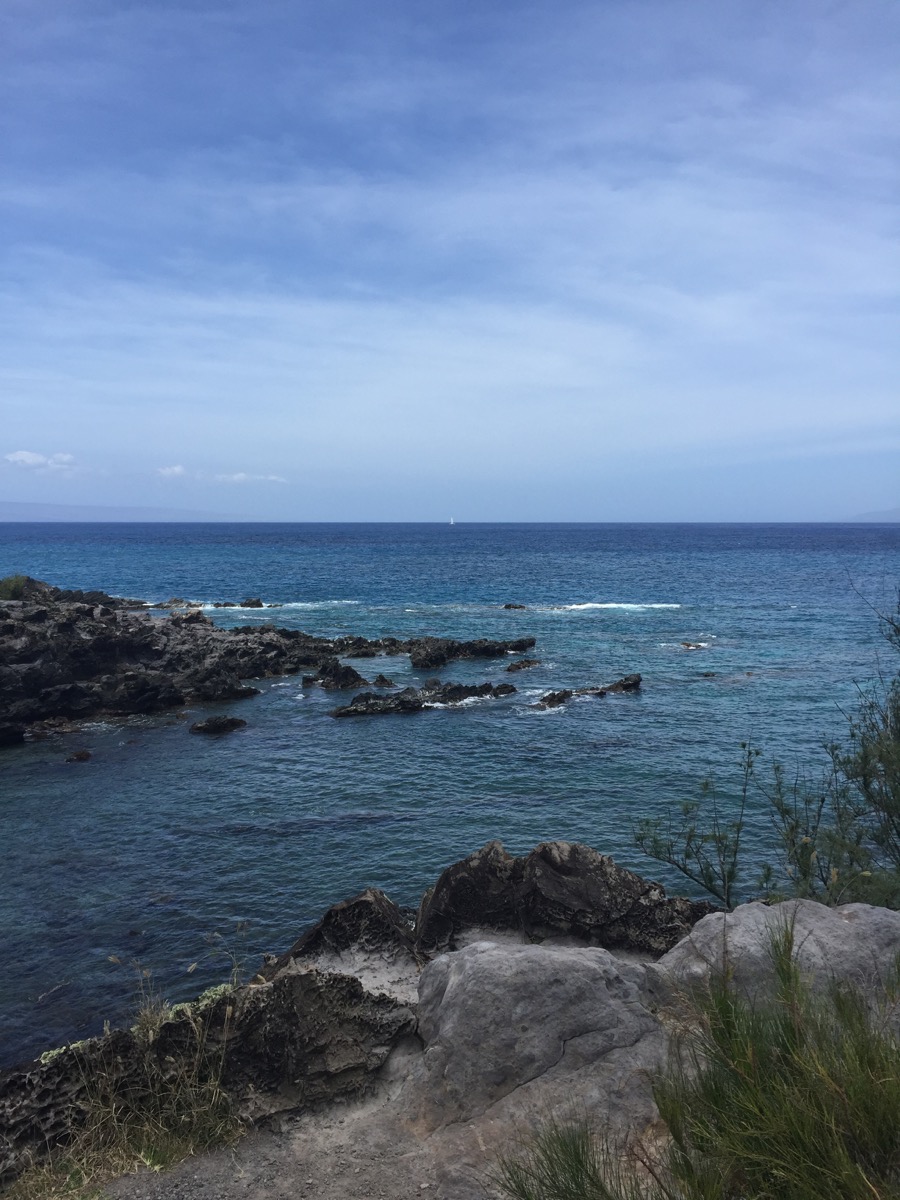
(628, 607)
(239, 610)
(468, 702)
(316, 603)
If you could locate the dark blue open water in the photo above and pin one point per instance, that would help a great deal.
(163, 839)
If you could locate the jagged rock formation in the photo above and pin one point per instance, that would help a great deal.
(429, 653)
(294, 1042)
(334, 675)
(319, 1020)
(431, 694)
(558, 889)
(218, 725)
(69, 655)
(628, 683)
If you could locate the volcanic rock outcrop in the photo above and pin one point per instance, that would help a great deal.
(218, 725)
(429, 653)
(65, 656)
(628, 683)
(559, 889)
(431, 695)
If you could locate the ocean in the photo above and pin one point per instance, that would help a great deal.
(167, 857)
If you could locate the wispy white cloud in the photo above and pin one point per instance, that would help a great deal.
(175, 472)
(246, 477)
(28, 460)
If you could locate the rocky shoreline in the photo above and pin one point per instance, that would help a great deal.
(66, 656)
(522, 987)
(317, 1023)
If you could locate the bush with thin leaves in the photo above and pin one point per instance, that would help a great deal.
(795, 1097)
(566, 1162)
(12, 587)
(837, 831)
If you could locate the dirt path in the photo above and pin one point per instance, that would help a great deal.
(366, 1150)
(347, 1154)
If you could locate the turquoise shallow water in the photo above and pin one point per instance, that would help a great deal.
(162, 840)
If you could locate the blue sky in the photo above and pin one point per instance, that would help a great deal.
(631, 260)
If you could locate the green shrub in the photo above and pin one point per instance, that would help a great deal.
(12, 587)
(837, 836)
(796, 1097)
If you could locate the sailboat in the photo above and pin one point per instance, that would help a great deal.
(451, 521)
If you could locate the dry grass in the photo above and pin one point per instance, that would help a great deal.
(166, 1109)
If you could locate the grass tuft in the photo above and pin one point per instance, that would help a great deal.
(166, 1108)
(796, 1097)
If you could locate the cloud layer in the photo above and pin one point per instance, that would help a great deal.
(530, 258)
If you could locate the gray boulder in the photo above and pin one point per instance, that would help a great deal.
(514, 1025)
(856, 943)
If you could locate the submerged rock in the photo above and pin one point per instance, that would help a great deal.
(523, 664)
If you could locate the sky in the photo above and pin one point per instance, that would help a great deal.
(395, 260)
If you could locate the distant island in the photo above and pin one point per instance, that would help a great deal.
(12, 510)
(888, 516)
(22, 511)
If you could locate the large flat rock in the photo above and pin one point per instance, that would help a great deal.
(855, 943)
